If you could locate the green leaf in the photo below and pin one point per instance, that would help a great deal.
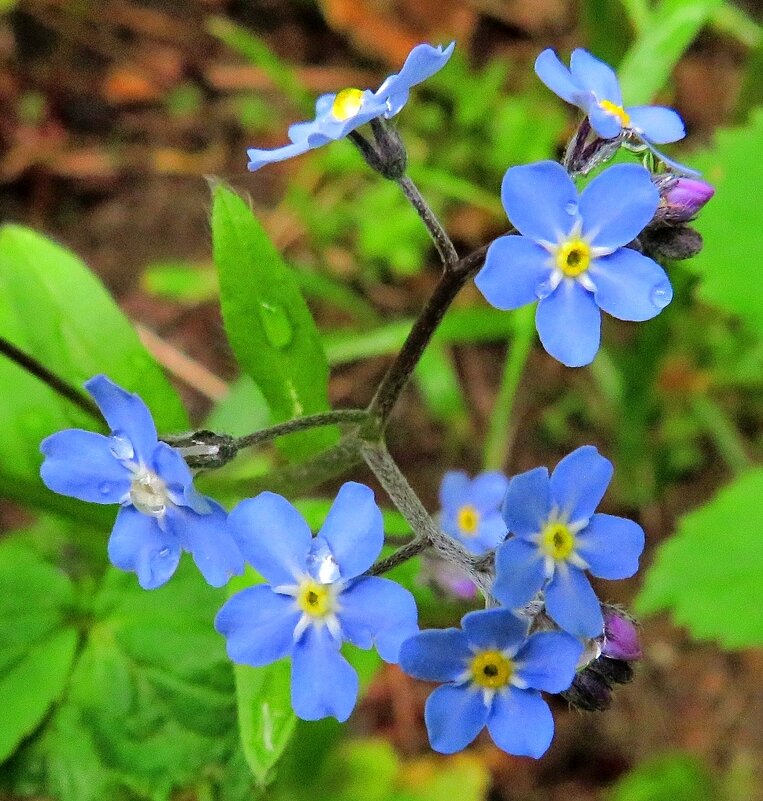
(460, 326)
(181, 281)
(708, 574)
(730, 266)
(36, 646)
(150, 704)
(265, 717)
(679, 777)
(269, 325)
(54, 308)
(650, 60)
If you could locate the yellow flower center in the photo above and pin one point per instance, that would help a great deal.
(558, 541)
(573, 257)
(491, 669)
(347, 104)
(314, 598)
(616, 111)
(468, 520)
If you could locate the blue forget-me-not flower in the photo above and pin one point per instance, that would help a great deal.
(339, 113)
(494, 672)
(315, 597)
(570, 254)
(592, 86)
(161, 513)
(471, 509)
(558, 536)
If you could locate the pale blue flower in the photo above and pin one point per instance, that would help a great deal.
(339, 113)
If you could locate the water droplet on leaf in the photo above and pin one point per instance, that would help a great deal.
(278, 328)
(661, 294)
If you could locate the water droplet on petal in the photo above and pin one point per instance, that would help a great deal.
(164, 552)
(104, 488)
(544, 289)
(276, 324)
(321, 563)
(571, 208)
(661, 294)
(121, 448)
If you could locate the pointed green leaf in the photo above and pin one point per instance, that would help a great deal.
(269, 325)
(54, 308)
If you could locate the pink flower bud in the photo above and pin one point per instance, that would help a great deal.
(685, 197)
(620, 637)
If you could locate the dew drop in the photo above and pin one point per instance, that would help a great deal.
(278, 328)
(544, 289)
(164, 552)
(661, 294)
(104, 488)
(321, 563)
(571, 208)
(121, 448)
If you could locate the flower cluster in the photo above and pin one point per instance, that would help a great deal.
(576, 254)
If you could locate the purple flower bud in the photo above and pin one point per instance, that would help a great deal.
(685, 197)
(620, 637)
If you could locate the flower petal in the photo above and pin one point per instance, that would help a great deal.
(630, 286)
(258, 625)
(519, 572)
(453, 489)
(657, 123)
(569, 324)
(611, 546)
(515, 266)
(353, 529)
(527, 503)
(172, 468)
(126, 414)
(556, 76)
(272, 536)
(488, 490)
(540, 200)
(617, 205)
(210, 542)
(454, 716)
(436, 655)
(422, 62)
(579, 482)
(572, 603)
(378, 611)
(323, 683)
(590, 73)
(259, 158)
(490, 534)
(80, 464)
(521, 723)
(604, 123)
(548, 661)
(137, 544)
(494, 629)
(675, 166)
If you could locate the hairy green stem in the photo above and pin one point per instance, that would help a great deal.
(426, 533)
(442, 241)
